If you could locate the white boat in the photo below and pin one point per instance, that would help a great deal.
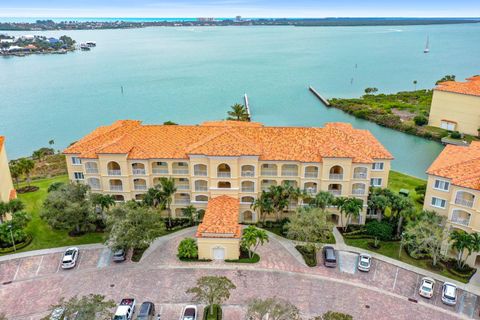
(91, 44)
(427, 47)
(84, 47)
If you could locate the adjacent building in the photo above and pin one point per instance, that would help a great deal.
(7, 191)
(235, 159)
(456, 106)
(453, 189)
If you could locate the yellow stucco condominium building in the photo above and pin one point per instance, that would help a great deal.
(453, 188)
(456, 106)
(7, 191)
(236, 159)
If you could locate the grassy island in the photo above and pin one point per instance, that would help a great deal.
(30, 44)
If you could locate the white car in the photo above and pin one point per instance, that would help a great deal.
(70, 258)
(449, 293)
(57, 314)
(364, 262)
(189, 313)
(426, 287)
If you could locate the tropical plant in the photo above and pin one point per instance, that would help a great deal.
(273, 309)
(16, 172)
(212, 290)
(264, 205)
(371, 90)
(449, 77)
(252, 238)
(102, 202)
(332, 315)
(351, 207)
(133, 226)
(168, 188)
(68, 208)
(309, 225)
(378, 203)
(191, 213)
(55, 186)
(154, 197)
(402, 208)
(380, 231)
(464, 242)
(93, 306)
(420, 120)
(415, 82)
(238, 112)
(322, 200)
(26, 167)
(280, 199)
(12, 206)
(188, 249)
(15, 228)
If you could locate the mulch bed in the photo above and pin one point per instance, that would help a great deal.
(27, 189)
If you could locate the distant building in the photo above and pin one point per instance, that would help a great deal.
(238, 18)
(7, 191)
(53, 40)
(453, 189)
(205, 19)
(456, 106)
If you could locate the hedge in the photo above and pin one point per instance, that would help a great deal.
(307, 254)
(217, 313)
(18, 246)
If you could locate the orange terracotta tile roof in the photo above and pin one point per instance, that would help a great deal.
(221, 219)
(231, 138)
(470, 87)
(13, 194)
(2, 141)
(461, 164)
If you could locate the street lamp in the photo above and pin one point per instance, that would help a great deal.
(401, 245)
(13, 240)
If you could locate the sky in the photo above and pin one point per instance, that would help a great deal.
(245, 8)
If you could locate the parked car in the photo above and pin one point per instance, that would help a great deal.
(70, 257)
(189, 313)
(147, 311)
(427, 285)
(449, 293)
(125, 310)
(329, 257)
(119, 255)
(364, 262)
(57, 314)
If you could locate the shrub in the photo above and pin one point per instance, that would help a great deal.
(362, 113)
(420, 120)
(217, 313)
(187, 249)
(455, 135)
(380, 230)
(309, 254)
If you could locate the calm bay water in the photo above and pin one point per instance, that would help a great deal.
(189, 75)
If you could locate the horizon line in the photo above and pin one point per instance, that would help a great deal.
(245, 17)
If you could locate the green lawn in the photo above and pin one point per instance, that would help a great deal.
(44, 236)
(397, 181)
(391, 250)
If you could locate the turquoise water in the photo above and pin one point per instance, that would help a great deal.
(189, 75)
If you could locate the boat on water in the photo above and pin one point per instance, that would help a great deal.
(84, 47)
(91, 44)
(427, 47)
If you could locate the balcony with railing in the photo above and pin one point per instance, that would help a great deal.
(139, 184)
(113, 169)
(94, 183)
(465, 199)
(91, 168)
(182, 199)
(138, 169)
(248, 186)
(116, 185)
(310, 187)
(311, 172)
(360, 173)
(200, 170)
(265, 185)
(461, 217)
(201, 185)
(180, 168)
(223, 171)
(358, 189)
(335, 189)
(247, 200)
(159, 168)
(248, 171)
(289, 170)
(269, 170)
(336, 173)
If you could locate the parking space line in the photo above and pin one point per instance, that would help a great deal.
(18, 268)
(59, 264)
(416, 284)
(79, 260)
(395, 281)
(375, 273)
(39, 265)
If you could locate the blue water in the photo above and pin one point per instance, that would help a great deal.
(189, 75)
(86, 19)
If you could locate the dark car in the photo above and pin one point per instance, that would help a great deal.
(119, 255)
(147, 311)
(329, 257)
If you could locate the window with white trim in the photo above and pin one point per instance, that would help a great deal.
(438, 203)
(376, 182)
(78, 175)
(377, 166)
(441, 185)
(76, 160)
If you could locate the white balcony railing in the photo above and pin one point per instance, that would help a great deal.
(160, 170)
(183, 187)
(460, 220)
(311, 190)
(138, 172)
(248, 189)
(311, 174)
(140, 187)
(114, 172)
(269, 172)
(116, 188)
(224, 174)
(200, 173)
(358, 191)
(91, 170)
(248, 173)
(94, 186)
(180, 171)
(336, 176)
(335, 192)
(266, 188)
(464, 202)
(289, 173)
(182, 201)
(199, 189)
(360, 176)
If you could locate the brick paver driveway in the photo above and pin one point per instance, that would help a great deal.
(30, 285)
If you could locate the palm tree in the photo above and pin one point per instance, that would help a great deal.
(340, 204)
(462, 241)
(238, 112)
(352, 208)
(13, 206)
(378, 203)
(154, 197)
(191, 213)
(15, 172)
(168, 188)
(264, 205)
(322, 200)
(102, 202)
(26, 166)
(402, 207)
(252, 238)
(280, 199)
(415, 84)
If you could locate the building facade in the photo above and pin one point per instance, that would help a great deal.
(456, 106)
(453, 189)
(237, 159)
(7, 191)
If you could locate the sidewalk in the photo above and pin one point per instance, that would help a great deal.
(48, 251)
(472, 286)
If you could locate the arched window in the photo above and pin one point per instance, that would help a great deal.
(223, 171)
(248, 186)
(224, 185)
(248, 171)
(91, 167)
(159, 167)
(201, 185)
(114, 169)
(311, 172)
(247, 216)
(310, 187)
(200, 170)
(267, 183)
(336, 173)
(139, 197)
(289, 170)
(201, 198)
(465, 199)
(138, 169)
(269, 170)
(360, 173)
(139, 184)
(116, 185)
(358, 189)
(247, 200)
(335, 189)
(460, 217)
(180, 168)
(118, 197)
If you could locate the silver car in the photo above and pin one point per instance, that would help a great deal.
(364, 262)
(449, 293)
(426, 287)
(70, 257)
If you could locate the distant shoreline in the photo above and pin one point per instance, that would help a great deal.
(130, 23)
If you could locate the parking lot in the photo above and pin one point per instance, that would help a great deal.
(400, 281)
(41, 265)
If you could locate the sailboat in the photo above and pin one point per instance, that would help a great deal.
(427, 49)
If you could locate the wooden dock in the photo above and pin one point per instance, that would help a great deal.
(319, 96)
(247, 106)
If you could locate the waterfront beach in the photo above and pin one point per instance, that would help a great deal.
(189, 75)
